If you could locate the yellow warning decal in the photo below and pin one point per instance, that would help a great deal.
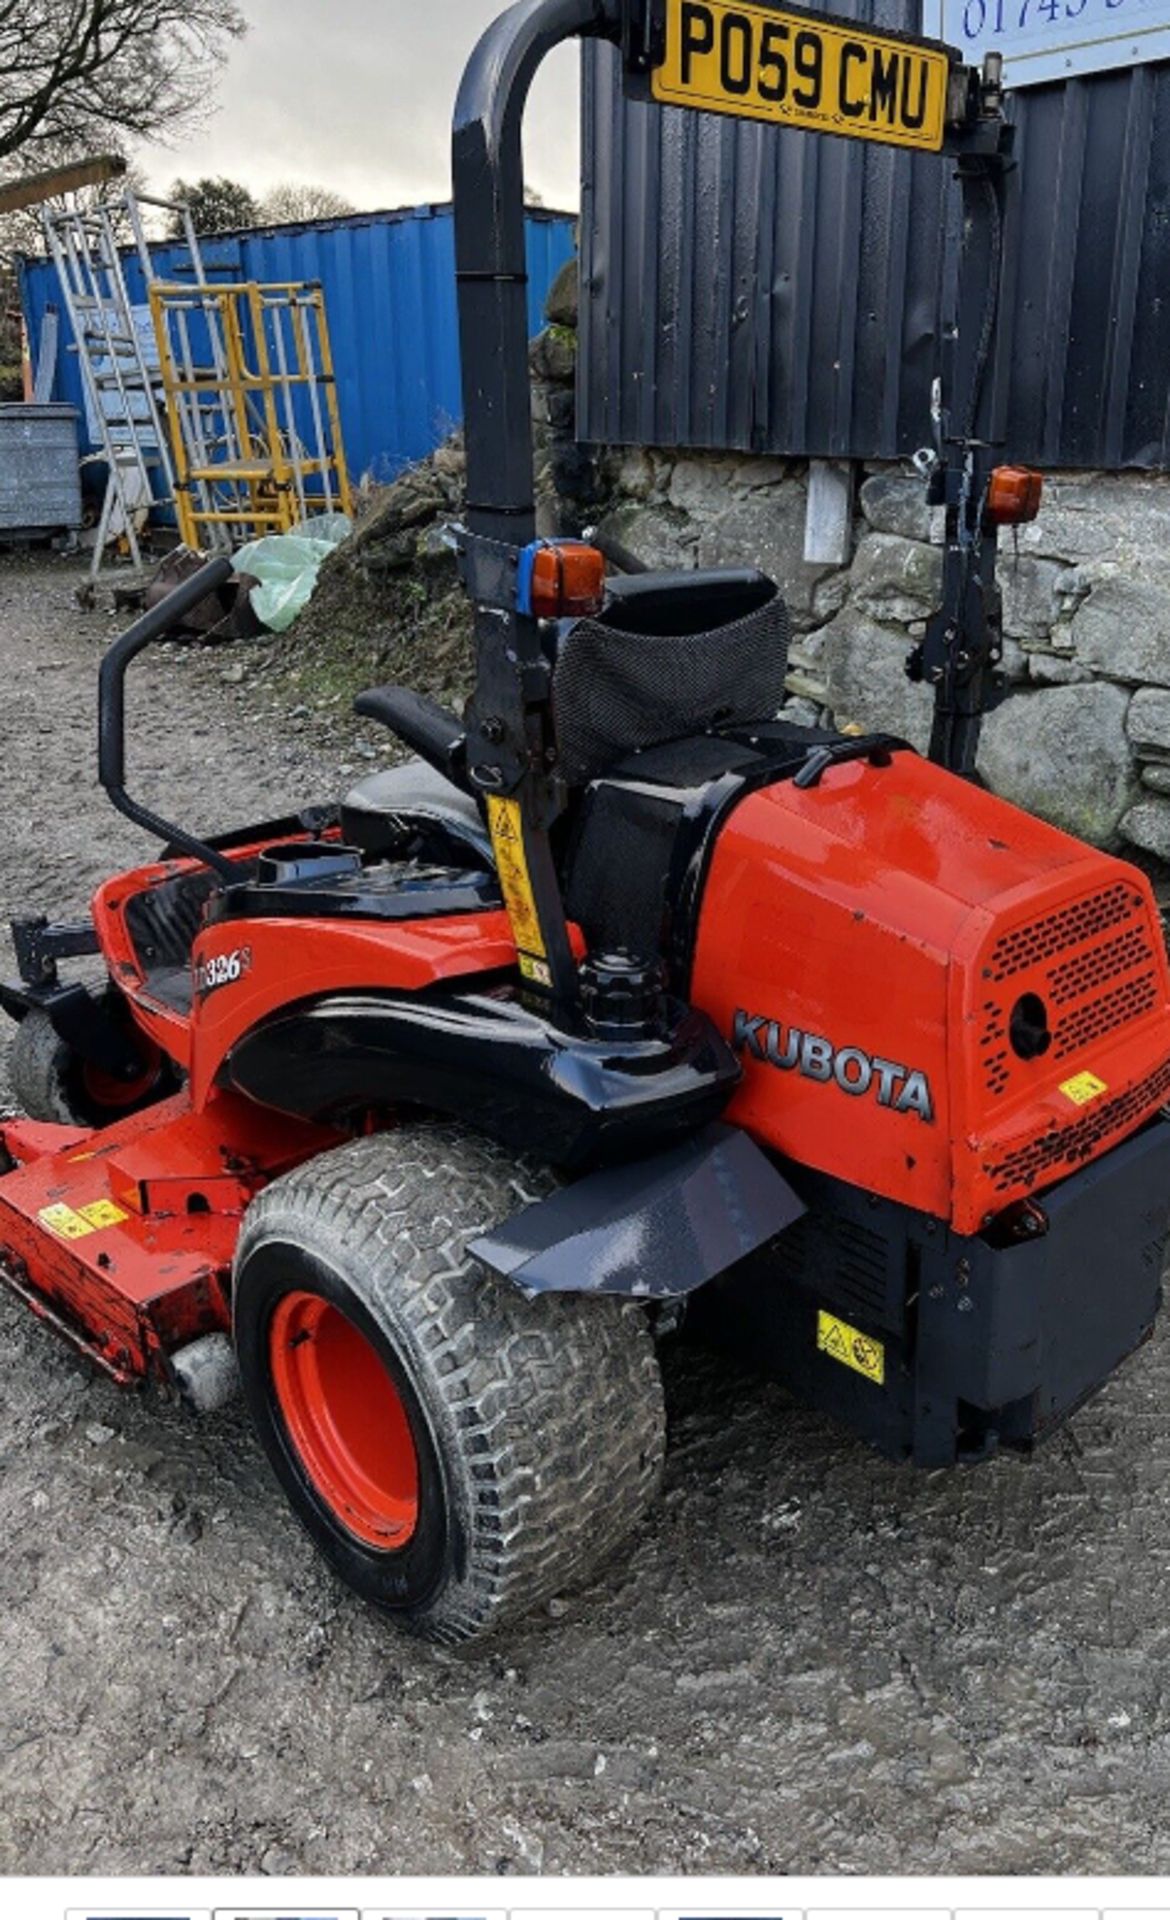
(1082, 1088)
(537, 970)
(70, 1224)
(853, 1349)
(103, 1213)
(66, 1224)
(507, 829)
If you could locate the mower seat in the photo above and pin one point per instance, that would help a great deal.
(670, 656)
(413, 811)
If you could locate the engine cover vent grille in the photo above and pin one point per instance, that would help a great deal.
(848, 1262)
(1094, 974)
(1069, 926)
(1064, 1148)
(1098, 966)
(1127, 1001)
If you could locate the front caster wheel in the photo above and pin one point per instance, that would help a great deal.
(52, 1082)
(457, 1452)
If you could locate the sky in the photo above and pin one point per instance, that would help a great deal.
(357, 95)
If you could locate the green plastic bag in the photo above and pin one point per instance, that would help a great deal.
(286, 566)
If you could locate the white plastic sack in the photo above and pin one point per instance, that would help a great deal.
(286, 566)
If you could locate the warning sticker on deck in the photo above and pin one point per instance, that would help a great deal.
(103, 1213)
(70, 1223)
(853, 1349)
(1082, 1088)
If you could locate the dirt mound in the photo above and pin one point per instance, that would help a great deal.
(388, 605)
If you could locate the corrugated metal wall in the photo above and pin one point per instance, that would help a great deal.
(752, 288)
(389, 281)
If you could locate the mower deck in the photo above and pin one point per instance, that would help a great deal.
(122, 1240)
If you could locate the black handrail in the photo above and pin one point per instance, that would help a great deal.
(112, 710)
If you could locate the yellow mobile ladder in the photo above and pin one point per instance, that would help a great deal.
(251, 400)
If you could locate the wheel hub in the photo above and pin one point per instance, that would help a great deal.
(346, 1420)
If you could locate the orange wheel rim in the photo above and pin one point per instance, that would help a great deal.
(109, 1091)
(346, 1420)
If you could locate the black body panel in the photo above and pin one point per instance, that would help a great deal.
(983, 1345)
(498, 1064)
(651, 1229)
(322, 881)
(644, 834)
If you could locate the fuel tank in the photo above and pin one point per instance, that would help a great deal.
(935, 996)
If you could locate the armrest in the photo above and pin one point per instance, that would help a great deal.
(421, 724)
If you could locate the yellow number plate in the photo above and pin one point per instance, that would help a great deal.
(799, 71)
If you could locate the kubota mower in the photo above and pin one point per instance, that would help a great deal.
(623, 1002)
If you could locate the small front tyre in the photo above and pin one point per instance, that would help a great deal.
(51, 1081)
(457, 1453)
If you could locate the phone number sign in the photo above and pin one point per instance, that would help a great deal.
(1053, 39)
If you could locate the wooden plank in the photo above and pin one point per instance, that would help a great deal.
(828, 525)
(35, 188)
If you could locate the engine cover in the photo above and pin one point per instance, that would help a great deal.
(935, 996)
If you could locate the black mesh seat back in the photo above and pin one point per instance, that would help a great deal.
(615, 691)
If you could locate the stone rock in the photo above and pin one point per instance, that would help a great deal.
(801, 712)
(866, 679)
(895, 579)
(575, 473)
(1148, 720)
(1147, 825)
(830, 595)
(553, 356)
(1070, 589)
(1111, 517)
(1030, 605)
(1062, 753)
(1157, 779)
(759, 470)
(896, 503)
(635, 474)
(766, 530)
(1123, 629)
(561, 406)
(702, 487)
(436, 549)
(1014, 662)
(659, 536)
(450, 460)
(562, 306)
(1054, 670)
(416, 496)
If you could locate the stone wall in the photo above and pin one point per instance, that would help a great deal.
(1083, 739)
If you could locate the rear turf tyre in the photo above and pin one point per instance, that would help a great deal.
(52, 1082)
(457, 1453)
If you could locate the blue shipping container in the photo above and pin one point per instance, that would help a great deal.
(389, 283)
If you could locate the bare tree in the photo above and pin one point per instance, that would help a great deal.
(292, 201)
(84, 72)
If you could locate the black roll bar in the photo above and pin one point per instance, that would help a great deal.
(490, 258)
(112, 710)
(510, 749)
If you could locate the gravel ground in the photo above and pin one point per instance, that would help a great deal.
(810, 1661)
